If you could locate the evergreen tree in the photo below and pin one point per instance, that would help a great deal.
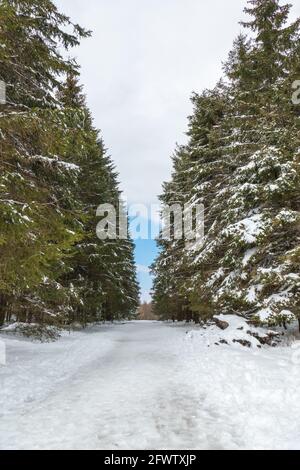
(258, 222)
(54, 174)
(31, 61)
(104, 271)
(34, 233)
(247, 264)
(197, 174)
(70, 94)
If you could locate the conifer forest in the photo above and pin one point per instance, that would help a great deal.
(149, 243)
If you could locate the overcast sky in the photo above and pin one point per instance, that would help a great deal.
(139, 69)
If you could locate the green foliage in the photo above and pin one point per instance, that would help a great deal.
(242, 162)
(54, 172)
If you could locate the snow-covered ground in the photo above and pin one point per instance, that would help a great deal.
(147, 385)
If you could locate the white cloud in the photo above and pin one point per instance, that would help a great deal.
(139, 69)
(143, 269)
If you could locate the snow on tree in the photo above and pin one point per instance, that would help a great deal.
(247, 175)
(54, 174)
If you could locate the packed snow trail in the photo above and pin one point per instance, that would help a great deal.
(145, 385)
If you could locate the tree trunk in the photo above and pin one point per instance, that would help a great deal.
(3, 308)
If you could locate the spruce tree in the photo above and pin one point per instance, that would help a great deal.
(258, 222)
(54, 174)
(103, 271)
(248, 262)
(197, 174)
(31, 61)
(34, 232)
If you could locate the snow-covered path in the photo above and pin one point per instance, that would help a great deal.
(145, 385)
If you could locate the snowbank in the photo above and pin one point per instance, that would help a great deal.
(34, 370)
(235, 331)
